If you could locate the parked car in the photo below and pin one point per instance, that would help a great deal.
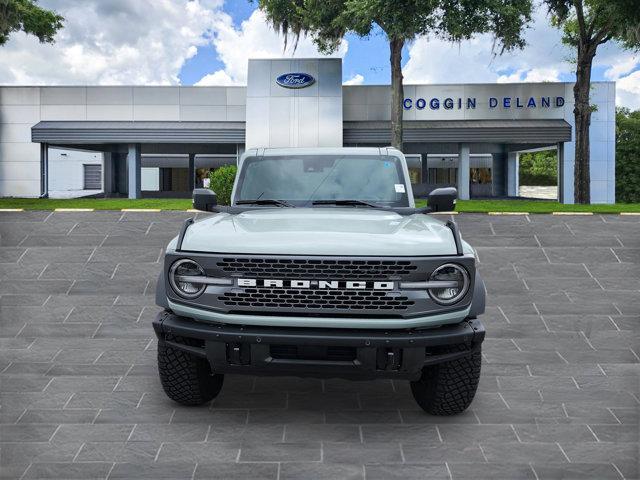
(322, 266)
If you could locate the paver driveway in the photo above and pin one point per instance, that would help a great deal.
(81, 398)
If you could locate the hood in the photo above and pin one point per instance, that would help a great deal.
(320, 231)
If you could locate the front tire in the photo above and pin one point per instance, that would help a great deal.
(448, 388)
(185, 378)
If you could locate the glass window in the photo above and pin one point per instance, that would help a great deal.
(302, 179)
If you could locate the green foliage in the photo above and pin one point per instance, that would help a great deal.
(222, 179)
(327, 21)
(593, 22)
(539, 168)
(627, 156)
(28, 17)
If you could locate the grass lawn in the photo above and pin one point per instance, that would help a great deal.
(536, 206)
(479, 206)
(96, 203)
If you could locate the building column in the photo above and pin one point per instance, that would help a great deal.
(560, 157)
(463, 171)
(44, 170)
(133, 170)
(513, 166)
(192, 171)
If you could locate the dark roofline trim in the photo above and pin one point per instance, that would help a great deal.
(454, 131)
(73, 132)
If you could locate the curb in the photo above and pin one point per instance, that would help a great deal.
(74, 209)
(11, 209)
(507, 213)
(141, 210)
(630, 213)
(571, 213)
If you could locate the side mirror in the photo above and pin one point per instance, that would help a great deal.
(442, 199)
(204, 199)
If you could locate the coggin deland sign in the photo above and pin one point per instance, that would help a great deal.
(469, 103)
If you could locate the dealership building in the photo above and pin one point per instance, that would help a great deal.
(151, 141)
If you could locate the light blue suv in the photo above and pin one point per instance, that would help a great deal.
(322, 266)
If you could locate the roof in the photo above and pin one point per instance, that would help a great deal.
(501, 131)
(83, 132)
(359, 132)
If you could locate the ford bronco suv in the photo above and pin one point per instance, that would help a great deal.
(322, 266)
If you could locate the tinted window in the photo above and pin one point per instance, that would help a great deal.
(301, 180)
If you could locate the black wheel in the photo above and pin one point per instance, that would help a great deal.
(186, 379)
(448, 388)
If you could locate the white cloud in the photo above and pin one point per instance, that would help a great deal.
(545, 58)
(357, 79)
(217, 78)
(114, 42)
(531, 75)
(432, 60)
(628, 91)
(625, 63)
(253, 39)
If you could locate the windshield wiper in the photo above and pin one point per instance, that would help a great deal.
(355, 203)
(265, 201)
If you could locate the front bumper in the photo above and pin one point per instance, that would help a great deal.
(319, 352)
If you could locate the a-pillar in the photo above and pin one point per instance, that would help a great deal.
(512, 174)
(133, 170)
(464, 152)
(192, 171)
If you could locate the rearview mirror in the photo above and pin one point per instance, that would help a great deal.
(442, 199)
(204, 199)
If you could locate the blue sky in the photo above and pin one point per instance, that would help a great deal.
(365, 56)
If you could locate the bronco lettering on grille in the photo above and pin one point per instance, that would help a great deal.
(320, 284)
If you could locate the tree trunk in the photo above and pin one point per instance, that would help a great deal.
(582, 115)
(397, 90)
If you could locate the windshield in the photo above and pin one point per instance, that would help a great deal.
(303, 180)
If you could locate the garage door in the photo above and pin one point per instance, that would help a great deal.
(93, 177)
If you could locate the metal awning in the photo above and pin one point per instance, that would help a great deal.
(450, 131)
(59, 132)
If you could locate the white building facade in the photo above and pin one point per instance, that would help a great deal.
(162, 141)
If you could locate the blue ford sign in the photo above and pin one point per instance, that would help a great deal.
(295, 80)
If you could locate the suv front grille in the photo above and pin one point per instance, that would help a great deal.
(316, 299)
(318, 269)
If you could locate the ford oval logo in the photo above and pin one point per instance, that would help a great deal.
(295, 80)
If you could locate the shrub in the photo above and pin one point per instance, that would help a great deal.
(539, 168)
(627, 156)
(222, 179)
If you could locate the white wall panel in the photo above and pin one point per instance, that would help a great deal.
(63, 112)
(156, 112)
(109, 95)
(203, 96)
(156, 95)
(63, 95)
(110, 112)
(19, 95)
(203, 113)
(19, 114)
(19, 188)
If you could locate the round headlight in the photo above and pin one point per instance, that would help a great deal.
(183, 278)
(455, 283)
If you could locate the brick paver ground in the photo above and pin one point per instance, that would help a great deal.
(81, 398)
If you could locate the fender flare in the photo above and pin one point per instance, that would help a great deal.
(479, 297)
(161, 293)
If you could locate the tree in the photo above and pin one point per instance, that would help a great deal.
(327, 21)
(627, 156)
(587, 24)
(28, 17)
